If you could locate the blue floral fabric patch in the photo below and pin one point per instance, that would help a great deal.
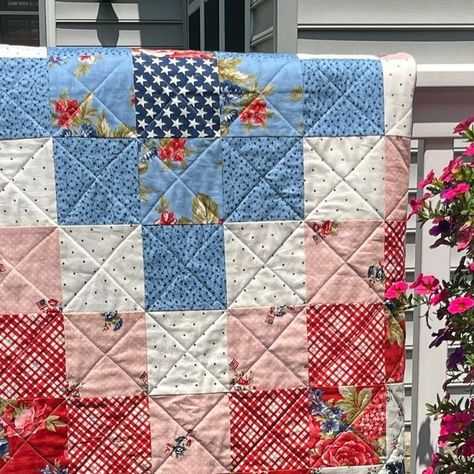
(263, 179)
(91, 92)
(260, 95)
(343, 97)
(24, 108)
(96, 181)
(177, 94)
(184, 267)
(181, 181)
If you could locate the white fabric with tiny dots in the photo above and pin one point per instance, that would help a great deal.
(27, 186)
(344, 178)
(102, 268)
(399, 79)
(265, 263)
(187, 352)
(11, 51)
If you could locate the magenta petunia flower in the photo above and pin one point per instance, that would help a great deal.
(425, 284)
(460, 304)
(396, 289)
(428, 180)
(454, 191)
(464, 125)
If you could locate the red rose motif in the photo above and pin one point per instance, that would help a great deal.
(174, 150)
(166, 218)
(67, 111)
(314, 433)
(345, 450)
(255, 113)
(326, 228)
(190, 54)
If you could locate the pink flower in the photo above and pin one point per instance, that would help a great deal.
(417, 204)
(466, 233)
(471, 267)
(166, 218)
(438, 297)
(453, 167)
(428, 180)
(453, 192)
(469, 151)
(464, 125)
(425, 285)
(451, 424)
(396, 290)
(460, 304)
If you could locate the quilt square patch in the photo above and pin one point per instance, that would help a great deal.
(27, 188)
(34, 435)
(347, 426)
(265, 263)
(394, 251)
(186, 431)
(344, 178)
(187, 352)
(260, 95)
(115, 343)
(102, 268)
(177, 94)
(263, 179)
(24, 109)
(184, 267)
(91, 92)
(344, 261)
(345, 344)
(29, 258)
(343, 97)
(181, 181)
(395, 425)
(32, 360)
(269, 430)
(274, 352)
(96, 181)
(109, 434)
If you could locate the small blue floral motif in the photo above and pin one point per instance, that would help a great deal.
(112, 320)
(180, 445)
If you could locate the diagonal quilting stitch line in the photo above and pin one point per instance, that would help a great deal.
(185, 265)
(283, 243)
(186, 352)
(97, 179)
(93, 92)
(152, 398)
(26, 442)
(345, 263)
(264, 177)
(269, 349)
(106, 354)
(24, 257)
(270, 81)
(179, 178)
(106, 436)
(283, 118)
(269, 429)
(18, 108)
(345, 343)
(407, 114)
(100, 267)
(342, 179)
(344, 96)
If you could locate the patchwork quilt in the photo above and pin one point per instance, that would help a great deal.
(194, 249)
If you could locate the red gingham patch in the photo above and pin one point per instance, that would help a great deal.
(108, 435)
(394, 252)
(32, 355)
(269, 430)
(346, 344)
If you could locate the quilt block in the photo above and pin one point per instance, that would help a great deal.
(194, 249)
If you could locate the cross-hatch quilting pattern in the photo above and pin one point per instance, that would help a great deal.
(194, 248)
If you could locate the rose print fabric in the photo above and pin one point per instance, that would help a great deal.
(194, 249)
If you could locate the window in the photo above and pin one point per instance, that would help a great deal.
(19, 22)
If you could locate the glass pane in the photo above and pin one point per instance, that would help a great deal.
(194, 31)
(235, 25)
(22, 30)
(24, 5)
(211, 25)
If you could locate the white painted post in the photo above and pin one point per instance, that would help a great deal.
(429, 365)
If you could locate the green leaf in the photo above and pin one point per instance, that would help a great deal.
(395, 331)
(296, 94)
(364, 397)
(53, 422)
(205, 210)
(348, 393)
(143, 166)
(185, 220)
(164, 204)
(228, 71)
(102, 128)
